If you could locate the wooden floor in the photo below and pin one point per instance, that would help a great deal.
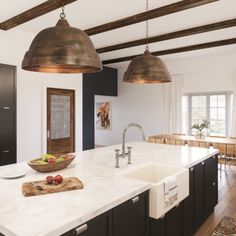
(226, 203)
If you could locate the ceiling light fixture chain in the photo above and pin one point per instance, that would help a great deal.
(63, 14)
(147, 28)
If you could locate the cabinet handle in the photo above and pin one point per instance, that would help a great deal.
(214, 157)
(203, 163)
(6, 151)
(213, 184)
(192, 169)
(6, 108)
(163, 216)
(177, 205)
(80, 229)
(135, 199)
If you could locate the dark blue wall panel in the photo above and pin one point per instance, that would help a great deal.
(101, 83)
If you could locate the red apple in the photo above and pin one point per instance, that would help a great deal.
(51, 160)
(49, 179)
(58, 179)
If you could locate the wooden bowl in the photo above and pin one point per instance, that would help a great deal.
(49, 167)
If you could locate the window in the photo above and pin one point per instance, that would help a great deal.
(213, 107)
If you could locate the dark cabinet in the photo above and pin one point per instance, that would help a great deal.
(173, 222)
(185, 219)
(211, 184)
(168, 225)
(101, 225)
(157, 227)
(199, 193)
(188, 207)
(128, 219)
(7, 115)
(131, 217)
(203, 195)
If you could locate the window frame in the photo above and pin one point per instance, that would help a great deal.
(228, 98)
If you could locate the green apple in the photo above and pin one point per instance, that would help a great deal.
(40, 162)
(45, 157)
(60, 159)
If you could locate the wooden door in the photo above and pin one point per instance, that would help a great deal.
(60, 121)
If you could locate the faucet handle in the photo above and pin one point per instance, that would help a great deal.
(129, 154)
(117, 158)
(117, 151)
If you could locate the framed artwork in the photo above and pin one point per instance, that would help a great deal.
(103, 115)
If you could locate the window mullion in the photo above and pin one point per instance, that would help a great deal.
(190, 114)
(208, 110)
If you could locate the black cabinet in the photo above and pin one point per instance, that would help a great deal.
(185, 219)
(157, 227)
(211, 184)
(7, 115)
(131, 217)
(198, 193)
(101, 225)
(203, 195)
(188, 207)
(128, 219)
(173, 222)
(168, 225)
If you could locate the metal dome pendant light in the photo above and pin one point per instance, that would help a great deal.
(62, 49)
(147, 68)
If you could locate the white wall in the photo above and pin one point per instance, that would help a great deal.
(143, 103)
(30, 90)
(206, 74)
(140, 103)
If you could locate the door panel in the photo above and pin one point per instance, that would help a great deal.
(7, 115)
(188, 207)
(199, 193)
(7, 86)
(60, 121)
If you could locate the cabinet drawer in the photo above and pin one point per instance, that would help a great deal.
(131, 217)
(101, 225)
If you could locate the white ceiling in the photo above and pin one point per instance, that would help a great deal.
(85, 14)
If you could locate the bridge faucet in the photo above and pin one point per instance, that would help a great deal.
(128, 153)
(124, 132)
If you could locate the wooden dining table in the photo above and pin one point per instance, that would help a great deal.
(226, 146)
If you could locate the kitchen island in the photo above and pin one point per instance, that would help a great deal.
(105, 187)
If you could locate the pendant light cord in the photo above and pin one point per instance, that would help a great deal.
(63, 14)
(147, 28)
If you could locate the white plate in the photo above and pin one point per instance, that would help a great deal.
(12, 175)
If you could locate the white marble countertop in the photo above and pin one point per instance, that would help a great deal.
(104, 188)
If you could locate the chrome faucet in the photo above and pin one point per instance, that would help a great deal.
(128, 153)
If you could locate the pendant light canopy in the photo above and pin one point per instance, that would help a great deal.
(147, 68)
(62, 49)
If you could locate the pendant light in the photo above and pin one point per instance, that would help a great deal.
(147, 68)
(62, 49)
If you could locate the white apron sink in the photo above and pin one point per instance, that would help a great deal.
(154, 174)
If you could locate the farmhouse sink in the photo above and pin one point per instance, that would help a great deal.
(155, 174)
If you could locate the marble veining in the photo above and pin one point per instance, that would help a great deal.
(104, 188)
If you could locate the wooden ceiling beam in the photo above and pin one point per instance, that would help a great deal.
(33, 13)
(176, 50)
(147, 15)
(171, 35)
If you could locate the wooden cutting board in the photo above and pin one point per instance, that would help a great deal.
(42, 187)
